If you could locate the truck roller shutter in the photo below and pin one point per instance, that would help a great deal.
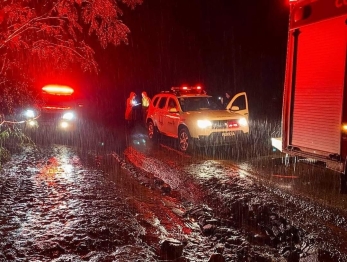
(319, 86)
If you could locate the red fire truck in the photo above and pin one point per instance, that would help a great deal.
(314, 114)
(57, 112)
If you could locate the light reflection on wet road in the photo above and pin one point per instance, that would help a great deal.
(54, 208)
(300, 178)
(273, 168)
(303, 195)
(217, 168)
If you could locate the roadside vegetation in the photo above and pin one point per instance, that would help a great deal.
(41, 40)
(12, 139)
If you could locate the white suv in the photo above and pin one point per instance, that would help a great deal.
(192, 117)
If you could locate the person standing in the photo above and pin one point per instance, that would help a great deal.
(129, 112)
(225, 100)
(145, 104)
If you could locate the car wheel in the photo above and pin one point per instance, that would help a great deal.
(185, 142)
(152, 131)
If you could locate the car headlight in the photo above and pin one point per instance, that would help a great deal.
(344, 128)
(29, 113)
(68, 116)
(204, 123)
(243, 122)
(64, 125)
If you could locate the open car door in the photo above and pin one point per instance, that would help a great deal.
(239, 104)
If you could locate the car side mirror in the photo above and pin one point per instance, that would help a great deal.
(235, 108)
(173, 110)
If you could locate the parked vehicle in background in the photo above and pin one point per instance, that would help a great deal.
(194, 119)
(314, 115)
(58, 111)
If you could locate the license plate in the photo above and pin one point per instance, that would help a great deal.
(228, 134)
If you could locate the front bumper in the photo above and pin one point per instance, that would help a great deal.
(53, 125)
(220, 138)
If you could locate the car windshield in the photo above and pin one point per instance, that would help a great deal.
(197, 104)
(58, 100)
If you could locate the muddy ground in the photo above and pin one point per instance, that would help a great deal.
(148, 202)
(52, 208)
(250, 219)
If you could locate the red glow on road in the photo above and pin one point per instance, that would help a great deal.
(48, 172)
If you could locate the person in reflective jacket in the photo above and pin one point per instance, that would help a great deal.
(145, 104)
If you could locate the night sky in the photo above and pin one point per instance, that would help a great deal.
(235, 45)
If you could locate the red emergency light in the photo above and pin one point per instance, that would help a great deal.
(188, 90)
(233, 124)
(58, 90)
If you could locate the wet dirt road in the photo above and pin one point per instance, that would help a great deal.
(295, 206)
(301, 177)
(57, 205)
(53, 208)
(86, 203)
(294, 176)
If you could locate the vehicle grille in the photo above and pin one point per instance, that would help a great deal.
(217, 138)
(218, 124)
(49, 117)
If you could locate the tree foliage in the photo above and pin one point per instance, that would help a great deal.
(37, 36)
(37, 33)
(15, 93)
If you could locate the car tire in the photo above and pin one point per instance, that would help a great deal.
(185, 141)
(152, 131)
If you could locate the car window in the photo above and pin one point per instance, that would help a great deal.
(162, 102)
(240, 102)
(58, 100)
(155, 101)
(197, 104)
(172, 103)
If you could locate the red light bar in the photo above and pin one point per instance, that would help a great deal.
(56, 107)
(188, 90)
(233, 124)
(58, 90)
